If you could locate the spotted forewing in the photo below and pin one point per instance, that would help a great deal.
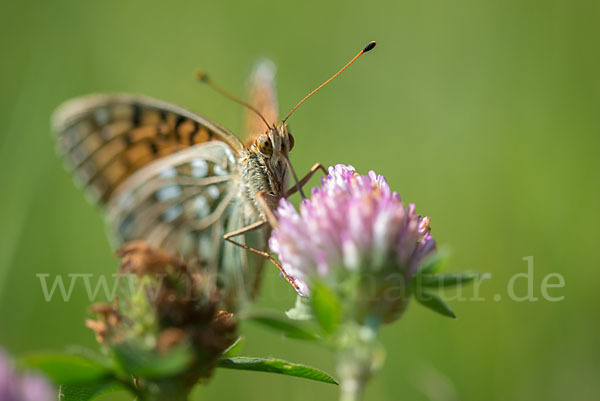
(168, 176)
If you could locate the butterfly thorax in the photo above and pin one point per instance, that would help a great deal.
(264, 167)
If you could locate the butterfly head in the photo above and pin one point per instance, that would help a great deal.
(269, 155)
(275, 143)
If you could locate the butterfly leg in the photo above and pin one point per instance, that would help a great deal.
(270, 218)
(261, 197)
(267, 255)
(307, 177)
(245, 230)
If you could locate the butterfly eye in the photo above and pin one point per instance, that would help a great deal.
(264, 145)
(291, 141)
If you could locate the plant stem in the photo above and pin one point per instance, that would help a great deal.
(359, 355)
(163, 391)
(351, 390)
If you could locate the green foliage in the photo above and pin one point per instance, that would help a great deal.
(434, 263)
(427, 277)
(276, 366)
(289, 328)
(68, 369)
(435, 303)
(89, 391)
(301, 310)
(149, 364)
(234, 349)
(83, 378)
(326, 307)
(446, 279)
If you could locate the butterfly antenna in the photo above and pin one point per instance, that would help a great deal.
(203, 77)
(367, 48)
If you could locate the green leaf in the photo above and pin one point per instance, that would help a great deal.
(434, 263)
(150, 364)
(277, 366)
(326, 307)
(90, 354)
(68, 369)
(446, 280)
(234, 349)
(301, 309)
(89, 391)
(289, 328)
(434, 302)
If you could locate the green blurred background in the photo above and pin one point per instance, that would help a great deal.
(486, 114)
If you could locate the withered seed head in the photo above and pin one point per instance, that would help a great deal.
(99, 327)
(139, 258)
(179, 308)
(170, 337)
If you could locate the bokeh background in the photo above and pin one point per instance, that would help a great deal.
(486, 114)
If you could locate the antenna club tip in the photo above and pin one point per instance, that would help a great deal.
(201, 76)
(370, 46)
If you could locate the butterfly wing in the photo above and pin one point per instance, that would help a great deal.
(263, 96)
(185, 203)
(164, 175)
(178, 202)
(107, 138)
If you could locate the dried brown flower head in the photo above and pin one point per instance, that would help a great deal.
(170, 306)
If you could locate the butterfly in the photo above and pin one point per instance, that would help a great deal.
(182, 182)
